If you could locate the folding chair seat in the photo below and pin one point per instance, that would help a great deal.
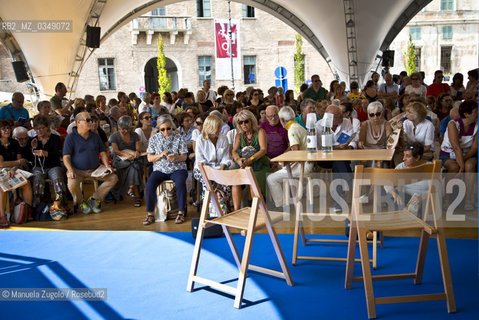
(362, 222)
(248, 220)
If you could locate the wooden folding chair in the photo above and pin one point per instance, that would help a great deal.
(248, 220)
(362, 222)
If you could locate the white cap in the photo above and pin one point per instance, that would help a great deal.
(310, 120)
(328, 120)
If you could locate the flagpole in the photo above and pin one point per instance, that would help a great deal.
(230, 32)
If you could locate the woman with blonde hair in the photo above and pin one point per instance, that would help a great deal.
(250, 149)
(212, 149)
(417, 128)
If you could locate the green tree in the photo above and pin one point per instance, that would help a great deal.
(164, 79)
(410, 57)
(298, 64)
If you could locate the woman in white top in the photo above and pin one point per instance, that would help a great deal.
(212, 149)
(144, 129)
(417, 128)
(459, 147)
(416, 86)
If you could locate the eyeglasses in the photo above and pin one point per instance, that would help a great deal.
(256, 94)
(316, 81)
(165, 129)
(199, 123)
(377, 114)
(87, 120)
(146, 118)
(272, 116)
(241, 122)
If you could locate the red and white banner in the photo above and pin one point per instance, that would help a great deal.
(222, 48)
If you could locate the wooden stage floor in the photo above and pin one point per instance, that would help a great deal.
(122, 216)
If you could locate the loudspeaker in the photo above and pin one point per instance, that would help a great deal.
(20, 71)
(93, 37)
(388, 58)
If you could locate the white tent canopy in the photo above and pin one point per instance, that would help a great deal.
(54, 57)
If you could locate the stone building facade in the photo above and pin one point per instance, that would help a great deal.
(445, 31)
(446, 36)
(264, 37)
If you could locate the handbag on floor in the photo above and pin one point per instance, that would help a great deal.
(22, 213)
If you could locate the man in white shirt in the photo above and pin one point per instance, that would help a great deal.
(210, 94)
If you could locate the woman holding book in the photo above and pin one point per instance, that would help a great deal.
(127, 161)
(10, 161)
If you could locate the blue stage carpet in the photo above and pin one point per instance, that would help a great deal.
(145, 274)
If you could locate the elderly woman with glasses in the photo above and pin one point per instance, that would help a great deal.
(167, 150)
(10, 160)
(47, 151)
(374, 131)
(126, 147)
(249, 149)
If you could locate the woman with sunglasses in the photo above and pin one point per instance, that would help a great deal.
(374, 131)
(167, 151)
(11, 159)
(47, 151)
(126, 147)
(144, 129)
(250, 149)
(416, 87)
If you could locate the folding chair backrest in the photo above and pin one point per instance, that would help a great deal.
(230, 178)
(400, 177)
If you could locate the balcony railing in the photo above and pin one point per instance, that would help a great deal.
(168, 24)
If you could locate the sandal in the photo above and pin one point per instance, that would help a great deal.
(130, 193)
(137, 203)
(180, 218)
(149, 219)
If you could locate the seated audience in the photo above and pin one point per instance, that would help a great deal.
(417, 128)
(416, 86)
(47, 152)
(297, 141)
(276, 134)
(459, 147)
(167, 150)
(443, 105)
(126, 146)
(80, 157)
(457, 87)
(212, 149)
(16, 112)
(10, 160)
(376, 130)
(412, 158)
(438, 87)
(250, 149)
